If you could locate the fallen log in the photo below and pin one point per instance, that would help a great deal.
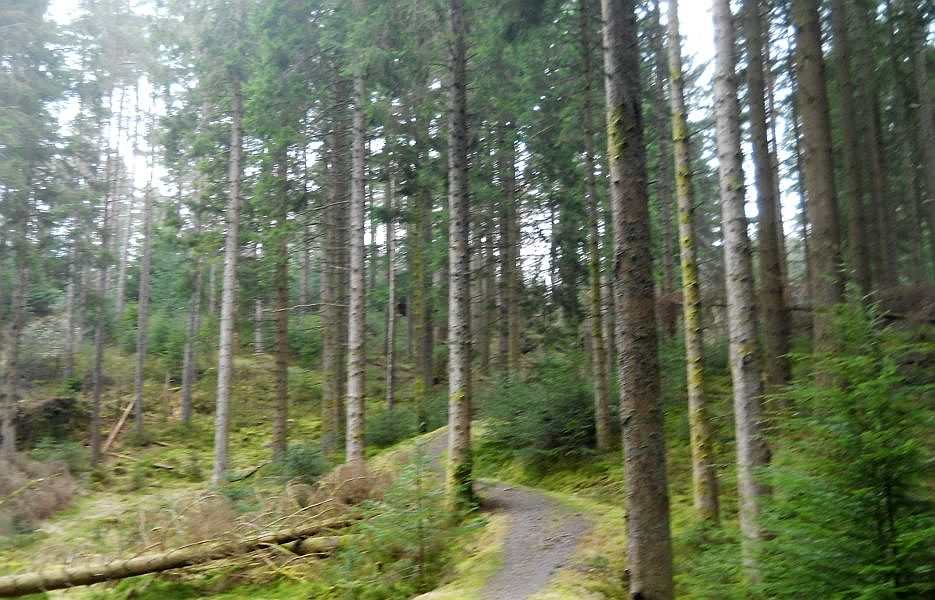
(202, 552)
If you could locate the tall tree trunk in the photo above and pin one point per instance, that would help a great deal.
(884, 256)
(664, 169)
(773, 313)
(142, 317)
(354, 441)
(121, 292)
(100, 330)
(422, 304)
(459, 476)
(821, 196)
(704, 473)
(305, 241)
(752, 452)
(391, 300)
(510, 272)
(189, 362)
(595, 317)
(334, 272)
(803, 209)
(228, 289)
(258, 343)
(212, 288)
(774, 149)
(281, 416)
(850, 155)
(14, 337)
(71, 314)
(925, 129)
(649, 557)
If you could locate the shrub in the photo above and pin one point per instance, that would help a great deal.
(543, 419)
(401, 547)
(385, 428)
(72, 454)
(851, 514)
(304, 463)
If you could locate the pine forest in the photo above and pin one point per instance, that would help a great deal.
(467, 299)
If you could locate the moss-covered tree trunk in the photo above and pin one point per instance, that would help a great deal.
(704, 473)
(649, 556)
(459, 476)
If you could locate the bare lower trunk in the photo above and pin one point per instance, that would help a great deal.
(334, 275)
(228, 290)
(189, 362)
(391, 302)
(773, 313)
(664, 168)
(850, 154)
(124, 257)
(354, 441)
(422, 313)
(68, 368)
(11, 390)
(649, 556)
(258, 343)
(142, 317)
(704, 473)
(281, 416)
(595, 314)
(459, 475)
(509, 250)
(821, 196)
(752, 452)
(926, 132)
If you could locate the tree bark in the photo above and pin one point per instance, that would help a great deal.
(258, 343)
(821, 196)
(884, 256)
(850, 153)
(281, 416)
(925, 130)
(773, 313)
(228, 289)
(334, 272)
(459, 474)
(704, 473)
(354, 442)
(12, 343)
(662, 130)
(391, 300)
(142, 317)
(752, 452)
(649, 556)
(595, 314)
(189, 362)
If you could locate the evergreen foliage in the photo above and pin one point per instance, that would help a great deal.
(852, 516)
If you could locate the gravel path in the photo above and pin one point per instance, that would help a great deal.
(540, 538)
(541, 533)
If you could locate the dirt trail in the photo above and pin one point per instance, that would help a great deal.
(540, 538)
(541, 533)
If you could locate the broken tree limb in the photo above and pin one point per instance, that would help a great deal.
(87, 574)
(116, 430)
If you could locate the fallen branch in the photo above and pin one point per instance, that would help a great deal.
(116, 430)
(87, 574)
